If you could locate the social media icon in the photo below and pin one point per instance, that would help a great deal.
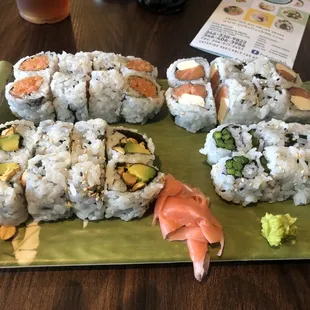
(255, 52)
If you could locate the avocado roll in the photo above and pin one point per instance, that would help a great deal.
(79, 63)
(44, 63)
(30, 98)
(106, 95)
(53, 137)
(188, 70)
(130, 188)
(193, 106)
(70, 96)
(46, 187)
(133, 65)
(143, 98)
(126, 144)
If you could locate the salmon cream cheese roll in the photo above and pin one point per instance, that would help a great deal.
(30, 98)
(183, 71)
(193, 106)
(143, 98)
(44, 63)
(70, 96)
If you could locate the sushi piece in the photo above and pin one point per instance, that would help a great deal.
(246, 103)
(106, 95)
(70, 96)
(86, 190)
(193, 106)
(30, 99)
(80, 63)
(194, 70)
(125, 144)
(130, 189)
(222, 68)
(241, 178)
(46, 187)
(143, 99)
(106, 61)
(53, 137)
(133, 65)
(88, 141)
(87, 175)
(226, 139)
(12, 199)
(44, 63)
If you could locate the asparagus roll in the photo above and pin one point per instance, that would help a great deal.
(88, 141)
(106, 95)
(130, 189)
(241, 178)
(106, 61)
(44, 63)
(125, 144)
(143, 99)
(188, 70)
(193, 106)
(53, 137)
(30, 98)
(70, 96)
(46, 187)
(226, 139)
(80, 63)
(133, 65)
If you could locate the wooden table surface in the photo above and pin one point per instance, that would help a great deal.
(123, 27)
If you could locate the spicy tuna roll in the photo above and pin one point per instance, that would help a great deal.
(193, 106)
(131, 64)
(106, 61)
(30, 98)
(126, 144)
(183, 71)
(106, 95)
(70, 96)
(79, 63)
(44, 63)
(143, 98)
(130, 189)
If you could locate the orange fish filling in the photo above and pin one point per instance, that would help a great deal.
(35, 63)
(143, 86)
(197, 90)
(194, 73)
(26, 86)
(139, 65)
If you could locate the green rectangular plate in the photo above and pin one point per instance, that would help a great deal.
(138, 242)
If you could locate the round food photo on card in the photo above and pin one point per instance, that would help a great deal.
(266, 7)
(284, 25)
(259, 17)
(233, 10)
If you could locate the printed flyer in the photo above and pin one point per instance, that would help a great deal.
(250, 28)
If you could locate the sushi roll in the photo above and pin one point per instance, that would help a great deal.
(106, 61)
(125, 144)
(30, 99)
(143, 98)
(133, 65)
(88, 141)
(86, 190)
(240, 178)
(226, 139)
(80, 63)
(46, 187)
(193, 106)
(12, 199)
(53, 137)
(188, 70)
(70, 96)
(130, 189)
(106, 95)
(222, 68)
(44, 63)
